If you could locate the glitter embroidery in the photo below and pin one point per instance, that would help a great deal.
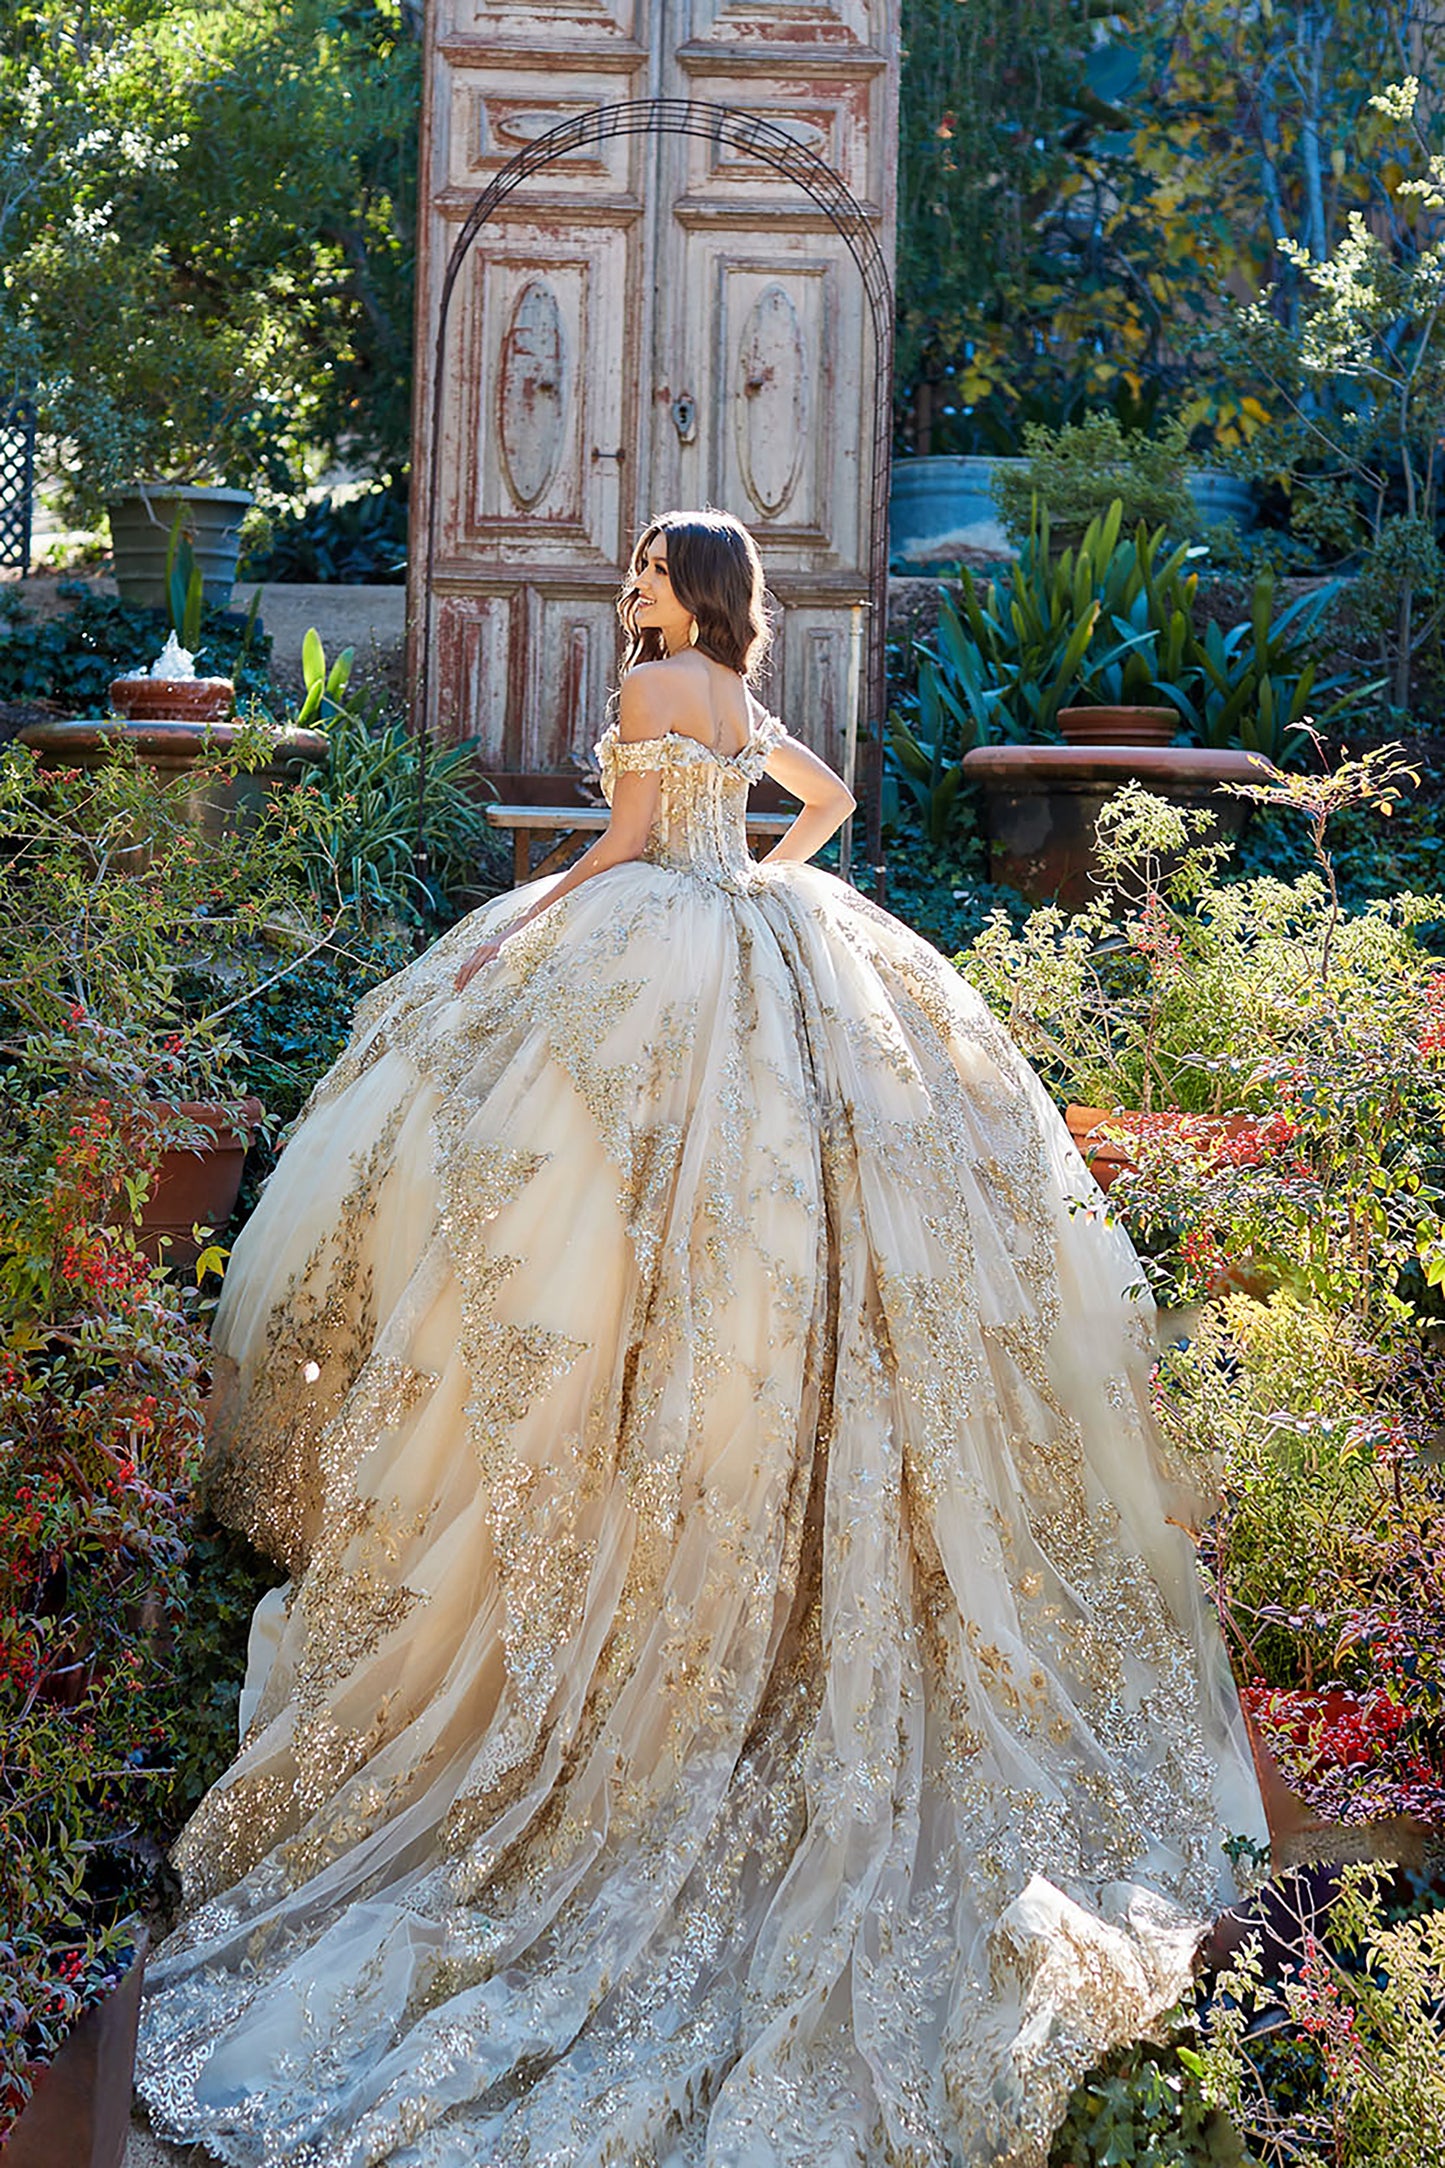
(741, 1698)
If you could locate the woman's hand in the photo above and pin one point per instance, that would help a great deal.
(486, 954)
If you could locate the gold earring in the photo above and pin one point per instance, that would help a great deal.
(692, 634)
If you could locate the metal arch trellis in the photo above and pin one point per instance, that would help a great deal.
(765, 139)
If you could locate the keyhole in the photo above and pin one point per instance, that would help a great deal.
(684, 416)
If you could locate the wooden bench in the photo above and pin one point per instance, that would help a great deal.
(571, 825)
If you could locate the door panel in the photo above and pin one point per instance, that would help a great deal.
(650, 322)
(477, 635)
(539, 398)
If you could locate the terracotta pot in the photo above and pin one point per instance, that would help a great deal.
(199, 1187)
(172, 700)
(1296, 1832)
(1106, 1158)
(79, 2113)
(1288, 1816)
(69, 1681)
(1041, 803)
(1118, 726)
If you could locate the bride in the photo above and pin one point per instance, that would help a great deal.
(741, 1699)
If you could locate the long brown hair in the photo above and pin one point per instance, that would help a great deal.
(715, 571)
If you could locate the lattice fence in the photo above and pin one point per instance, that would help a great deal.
(17, 481)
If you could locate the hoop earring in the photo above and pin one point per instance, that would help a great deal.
(692, 634)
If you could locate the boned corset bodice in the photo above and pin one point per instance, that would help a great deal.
(700, 825)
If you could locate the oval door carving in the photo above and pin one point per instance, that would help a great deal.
(772, 400)
(530, 391)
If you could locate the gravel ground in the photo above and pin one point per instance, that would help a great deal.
(144, 2151)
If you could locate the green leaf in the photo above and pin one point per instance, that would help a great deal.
(339, 675)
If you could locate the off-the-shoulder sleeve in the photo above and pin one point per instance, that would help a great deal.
(767, 733)
(628, 756)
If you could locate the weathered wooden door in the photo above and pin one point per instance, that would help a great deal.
(648, 322)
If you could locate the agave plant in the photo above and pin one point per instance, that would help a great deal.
(1105, 622)
(1108, 621)
(1112, 622)
(1251, 686)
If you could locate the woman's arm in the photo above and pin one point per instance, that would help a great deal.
(634, 804)
(827, 800)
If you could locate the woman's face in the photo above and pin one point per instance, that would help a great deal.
(656, 606)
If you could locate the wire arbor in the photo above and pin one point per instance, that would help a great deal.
(765, 140)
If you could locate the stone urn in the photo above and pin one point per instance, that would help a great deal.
(1041, 803)
(141, 520)
(172, 719)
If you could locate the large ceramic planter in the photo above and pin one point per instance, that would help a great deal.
(141, 520)
(1041, 803)
(79, 2113)
(170, 748)
(198, 1187)
(941, 512)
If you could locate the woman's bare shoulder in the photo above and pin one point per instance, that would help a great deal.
(648, 698)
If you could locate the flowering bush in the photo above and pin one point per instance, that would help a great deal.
(1177, 989)
(128, 934)
(100, 1427)
(126, 943)
(1338, 2059)
(1282, 1064)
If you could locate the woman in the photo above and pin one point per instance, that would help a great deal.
(740, 1699)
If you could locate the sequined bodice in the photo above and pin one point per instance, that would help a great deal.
(700, 823)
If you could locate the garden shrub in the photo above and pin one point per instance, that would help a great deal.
(1348, 2069)
(360, 538)
(1142, 2107)
(123, 948)
(361, 818)
(1076, 472)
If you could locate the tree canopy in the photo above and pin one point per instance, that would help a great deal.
(1085, 188)
(207, 229)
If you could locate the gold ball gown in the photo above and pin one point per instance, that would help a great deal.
(741, 1700)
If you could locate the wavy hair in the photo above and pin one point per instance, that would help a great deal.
(715, 571)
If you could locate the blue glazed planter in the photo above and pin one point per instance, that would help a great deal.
(942, 508)
(1225, 499)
